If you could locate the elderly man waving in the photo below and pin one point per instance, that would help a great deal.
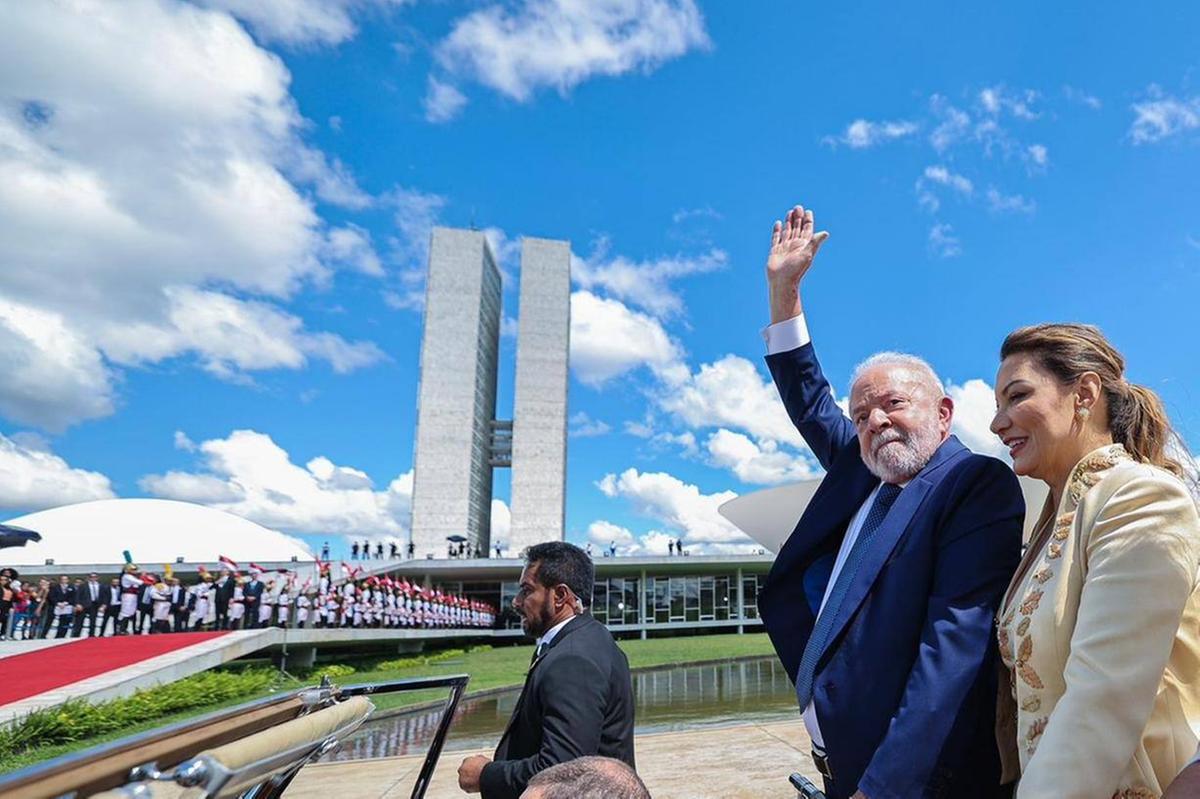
(880, 604)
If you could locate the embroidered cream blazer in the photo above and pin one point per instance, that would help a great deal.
(1102, 636)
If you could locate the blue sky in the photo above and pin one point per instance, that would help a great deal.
(214, 216)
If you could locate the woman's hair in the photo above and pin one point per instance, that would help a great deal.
(1136, 416)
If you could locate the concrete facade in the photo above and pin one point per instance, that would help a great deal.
(539, 433)
(452, 482)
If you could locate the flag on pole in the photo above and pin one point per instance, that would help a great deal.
(254, 567)
(230, 562)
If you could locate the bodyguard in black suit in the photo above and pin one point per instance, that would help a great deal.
(61, 593)
(87, 604)
(577, 699)
(222, 593)
(109, 604)
(252, 593)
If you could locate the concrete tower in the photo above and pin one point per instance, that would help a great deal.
(539, 427)
(456, 405)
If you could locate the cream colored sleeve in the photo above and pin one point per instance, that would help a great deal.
(1142, 556)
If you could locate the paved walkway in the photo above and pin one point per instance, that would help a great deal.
(750, 761)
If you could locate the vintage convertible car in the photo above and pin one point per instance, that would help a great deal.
(252, 750)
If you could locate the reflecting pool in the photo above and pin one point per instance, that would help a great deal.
(673, 698)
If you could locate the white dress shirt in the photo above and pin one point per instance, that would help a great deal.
(781, 337)
(549, 635)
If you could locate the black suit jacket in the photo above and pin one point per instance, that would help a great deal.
(83, 596)
(59, 594)
(106, 596)
(577, 700)
(223, 593)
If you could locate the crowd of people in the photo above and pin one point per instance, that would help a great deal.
(140, 602)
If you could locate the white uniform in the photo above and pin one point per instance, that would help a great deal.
(162, 604)
(130, 586)
(302, 605)
(285, 603)
(237, 604)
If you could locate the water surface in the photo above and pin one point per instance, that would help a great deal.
(673, 698)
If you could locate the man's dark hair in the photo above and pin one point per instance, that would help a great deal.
(560, 562)
(591, 777)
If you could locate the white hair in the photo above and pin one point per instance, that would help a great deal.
(918, 366)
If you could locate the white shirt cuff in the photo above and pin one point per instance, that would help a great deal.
(787, 335)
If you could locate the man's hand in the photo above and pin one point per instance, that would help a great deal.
(793, 247)
(470, 771)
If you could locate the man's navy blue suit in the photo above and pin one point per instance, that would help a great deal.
(905, 690)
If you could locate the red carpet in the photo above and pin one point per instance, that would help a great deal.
(32, 673)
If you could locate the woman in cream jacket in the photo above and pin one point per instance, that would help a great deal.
(1100, 627)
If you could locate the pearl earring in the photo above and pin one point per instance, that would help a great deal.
(1083, 414)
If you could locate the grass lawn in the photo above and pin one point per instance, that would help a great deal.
(489, 669)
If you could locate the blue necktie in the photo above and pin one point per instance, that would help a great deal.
(821, 630)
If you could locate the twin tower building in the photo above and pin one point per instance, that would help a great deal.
(459, 440)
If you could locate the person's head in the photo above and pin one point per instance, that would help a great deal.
(591, 777)
(78, 581)
(93, 577)
(114, 582)
(556, 584)
(64, 580)
(1061, 392)
(900, 412)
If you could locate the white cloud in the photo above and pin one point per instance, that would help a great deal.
(731, 393)
(443, 101)
(561, 43)
(997, 99)
(764, 464)
(693, 214)
(298, 22)
(52, 375)
(501, 521)
(1076, 95)
(609, 339)
(250, 475)
(645, 284)
(952, 123)
(584, 426)
(862, 133)
(974, 407)
(351, 245)
(416, 214)
(942, 241)
(1037, 154)
(32, 477)
(603, 533)
(679, 506)
(158, 148)
(1009, 202)
(1162, 116)
(943, 176)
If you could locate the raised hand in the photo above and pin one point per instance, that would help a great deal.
(794, 245)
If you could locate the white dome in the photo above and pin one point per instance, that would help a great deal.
(154, 531)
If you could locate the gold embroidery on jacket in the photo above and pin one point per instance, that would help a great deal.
(1043, 574)
(1032, 704)
(1032, 599)
(1023, 668)
(1023, 627)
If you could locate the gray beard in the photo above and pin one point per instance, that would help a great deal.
(897, 464)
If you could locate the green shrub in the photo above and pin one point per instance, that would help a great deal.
(77, 720)
(425, 660)
(333, 671)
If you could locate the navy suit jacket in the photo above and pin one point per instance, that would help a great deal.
(905, 690)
